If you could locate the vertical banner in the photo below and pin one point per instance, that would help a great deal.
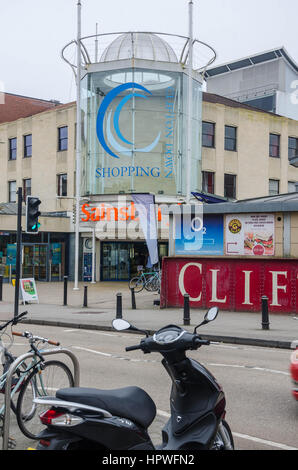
(145, 205)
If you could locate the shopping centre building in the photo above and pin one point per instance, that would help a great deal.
(135, 117)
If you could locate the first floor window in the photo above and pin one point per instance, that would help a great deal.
(13, 149)
(62, 185)
(293, 147)
(273, 187)
(63, 138)
(26, 188)
(208, 182)
(230, 186)
(12, 191)
(231, 138)
(27, 145)
(208, 134)
(274, 145)
(292, 188)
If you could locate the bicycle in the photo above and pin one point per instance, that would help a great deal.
(38, 378)
(148, 280)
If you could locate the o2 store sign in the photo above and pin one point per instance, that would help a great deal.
(235, 284)
(123, 146)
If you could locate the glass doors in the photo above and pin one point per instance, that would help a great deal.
(115, 264)
(35, 262)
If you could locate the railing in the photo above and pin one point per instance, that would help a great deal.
(8, 384)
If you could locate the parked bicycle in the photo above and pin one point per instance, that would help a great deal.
(150, 280)
(32, 379)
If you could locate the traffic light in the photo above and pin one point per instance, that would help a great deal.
(32, 214)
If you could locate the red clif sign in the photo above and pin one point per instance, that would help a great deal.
(235, 284)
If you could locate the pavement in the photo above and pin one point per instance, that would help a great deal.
(229, 327)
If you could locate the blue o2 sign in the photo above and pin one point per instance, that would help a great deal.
(110, 144)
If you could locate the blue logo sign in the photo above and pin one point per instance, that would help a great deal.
(110, 142)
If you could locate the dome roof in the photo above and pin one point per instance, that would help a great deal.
(147, 46)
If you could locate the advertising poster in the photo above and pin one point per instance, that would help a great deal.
(28, 290)
(11, 254)
(201, 239)
(249, 234)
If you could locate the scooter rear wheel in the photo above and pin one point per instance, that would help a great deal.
(219, 441)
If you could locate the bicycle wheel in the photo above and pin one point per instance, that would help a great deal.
(15, 378)
(40, 382)
(137, 284)
(153, 284)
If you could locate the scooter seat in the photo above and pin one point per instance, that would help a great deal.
(130, 402)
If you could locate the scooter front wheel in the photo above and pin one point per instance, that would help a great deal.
(224, 438)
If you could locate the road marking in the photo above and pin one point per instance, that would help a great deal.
(164, 414)
(114, 356)
(262, 369)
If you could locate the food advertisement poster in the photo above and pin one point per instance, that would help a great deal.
(28, 290)
(249, 234)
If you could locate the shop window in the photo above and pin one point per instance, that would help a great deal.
(231, 138)
(62, 185)
(12, 191)
(26, 188)
(230, 186)
(274, 145)
(27, 146)
(208, 182)
(62, 138)
(273, 187)
(208, 134)
(13, 149)
(292, 187)
(293, 147)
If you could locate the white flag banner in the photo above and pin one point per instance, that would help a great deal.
(145, 206)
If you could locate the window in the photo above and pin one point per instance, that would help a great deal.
(230, 186)
(26, 188)
(62, 138)
(231, 138)
(274, 145)
(62, 185)
(13, 149)
(27, 145)
(12, 191)
(292, 187)
(208, 134)
(208, 182)
(293, 147)
(273, 187)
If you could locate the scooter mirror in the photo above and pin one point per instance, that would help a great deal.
(211, 314)
(119, 324)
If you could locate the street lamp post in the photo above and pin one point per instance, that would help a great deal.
(189, 117)
(78, 148)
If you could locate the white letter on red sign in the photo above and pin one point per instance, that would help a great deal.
(181, 281)
(276, 287)
(247, 288)
(214, 287)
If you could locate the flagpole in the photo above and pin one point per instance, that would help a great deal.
(78, 148)
(189, 117)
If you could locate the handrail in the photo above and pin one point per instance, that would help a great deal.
(8, 384)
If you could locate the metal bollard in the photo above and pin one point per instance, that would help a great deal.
(1, 286)
(65, 290)
(119, 306)
(133, 298)
(265, 314)
(85, 297)
(186, 310)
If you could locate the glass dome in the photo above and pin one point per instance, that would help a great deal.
(147, 46)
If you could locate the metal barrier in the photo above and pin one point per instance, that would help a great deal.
(10, 373)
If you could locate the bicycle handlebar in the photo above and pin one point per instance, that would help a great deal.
(28, 335)
(14, 321)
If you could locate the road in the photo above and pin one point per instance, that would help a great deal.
(260, 409)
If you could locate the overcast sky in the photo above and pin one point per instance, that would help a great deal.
(33, 32)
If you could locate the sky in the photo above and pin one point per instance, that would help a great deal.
(33, 33)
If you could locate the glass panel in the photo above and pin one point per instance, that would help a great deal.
(138, 139)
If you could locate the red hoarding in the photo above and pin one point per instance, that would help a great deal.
(231, 284)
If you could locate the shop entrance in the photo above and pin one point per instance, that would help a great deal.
(119, 260)
(35, 261)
